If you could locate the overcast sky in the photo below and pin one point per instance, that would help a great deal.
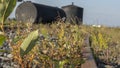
(103, 12)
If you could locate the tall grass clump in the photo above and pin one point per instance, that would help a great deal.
(105, 45)
(58, 45)
(6, 7)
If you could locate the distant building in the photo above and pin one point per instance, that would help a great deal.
(74, 13)
(96, 26)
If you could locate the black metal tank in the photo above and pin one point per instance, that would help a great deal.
(35, 13)
(19, 0)
(74, 13)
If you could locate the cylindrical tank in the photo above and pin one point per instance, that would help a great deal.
(19, 0)
(74, 13)
(34, 13)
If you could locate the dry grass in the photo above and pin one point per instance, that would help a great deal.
(60, 42)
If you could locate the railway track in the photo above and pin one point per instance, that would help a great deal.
(88, 55)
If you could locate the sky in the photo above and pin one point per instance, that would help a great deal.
(98, 12)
